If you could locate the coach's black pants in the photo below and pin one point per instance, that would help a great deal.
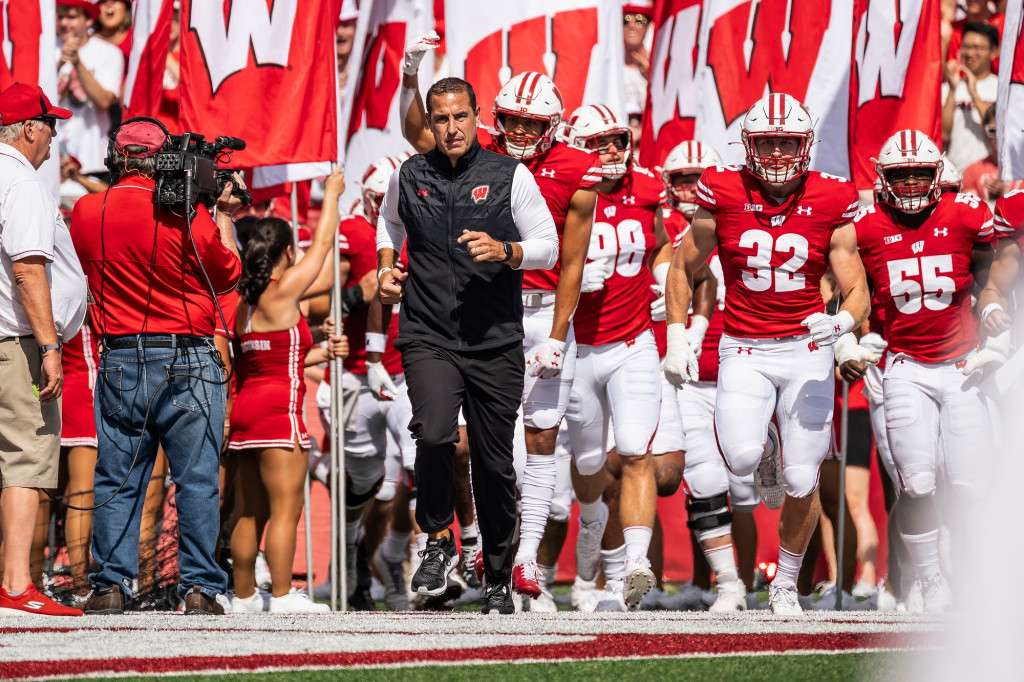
(489, 386)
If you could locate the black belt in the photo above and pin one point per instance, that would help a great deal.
(156, 341)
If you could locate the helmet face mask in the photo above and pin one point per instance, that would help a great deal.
(909, 167)
(682, 168)
(532, 96)
(596, 128)
(778, 117)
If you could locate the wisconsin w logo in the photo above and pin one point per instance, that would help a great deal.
(226, 47)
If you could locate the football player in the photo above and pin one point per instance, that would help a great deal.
(777, 227)
(921, 249)
(618, 367)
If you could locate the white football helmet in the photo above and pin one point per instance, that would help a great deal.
(375, 183)
(950, 179)
(529, 95)
(910, 149)
(592, 121)
(687, 158)
(778, 115)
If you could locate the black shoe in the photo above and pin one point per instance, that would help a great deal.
(361, 599)
(498, 599)
(160, 599)
(439, 558)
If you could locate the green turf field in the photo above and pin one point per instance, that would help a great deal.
(834, 667)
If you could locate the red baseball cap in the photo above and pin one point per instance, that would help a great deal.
(143, 133)
(90, 7)
(22, 102)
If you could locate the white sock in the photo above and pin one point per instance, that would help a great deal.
(614, 563)
(352, 531)
(395, 547)
(591, 511)
(723, 564)
(468, 535)
(789, 568)
(538, 489)
(421, 541)
(924, 554)
(638, 539)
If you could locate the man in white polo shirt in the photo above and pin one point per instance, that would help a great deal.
(42, 300)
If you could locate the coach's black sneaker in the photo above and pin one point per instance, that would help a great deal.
(438, 560)
(498, 599)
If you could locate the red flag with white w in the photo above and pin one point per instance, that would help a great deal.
(263, 71)
(144, 84)
(897, 71)
(671, 109)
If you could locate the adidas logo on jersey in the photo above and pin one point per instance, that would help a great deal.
(892, 238)
(917, 247)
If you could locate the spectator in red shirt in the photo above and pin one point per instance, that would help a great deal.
(160, 376)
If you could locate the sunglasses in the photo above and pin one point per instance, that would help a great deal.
(638, 19)
(991, 131)
(51, 123)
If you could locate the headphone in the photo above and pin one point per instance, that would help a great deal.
(115, 172)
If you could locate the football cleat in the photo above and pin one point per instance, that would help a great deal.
(396, 594)
(768, 475)
(469, 570)
(783, 600)
(588, 545)
(526, 579)
(639, 580)
(938, 598)
(732, 597)
(583, 596)
(545, 603)
(611, 600)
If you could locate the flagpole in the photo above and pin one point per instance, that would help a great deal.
(339, 562)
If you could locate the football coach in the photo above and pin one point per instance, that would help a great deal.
(473, 220)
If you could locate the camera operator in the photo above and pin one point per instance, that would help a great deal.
(160, 375)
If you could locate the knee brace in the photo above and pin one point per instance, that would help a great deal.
(800, 481)
(358, 495)
(710, 517)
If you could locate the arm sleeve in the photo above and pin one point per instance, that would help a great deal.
(538, 237)
(390, 228)
(29, 221)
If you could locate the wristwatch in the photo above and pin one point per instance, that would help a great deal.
(43, 350)
(508, 251)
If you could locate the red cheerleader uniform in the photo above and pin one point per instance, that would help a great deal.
(80, 360)
(267, 410)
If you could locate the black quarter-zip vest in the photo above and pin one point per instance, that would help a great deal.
(449, 300)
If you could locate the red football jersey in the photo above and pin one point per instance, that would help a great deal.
(773, 254)
(1009, 216)
(559, 172)
(623, 230)
(924, 275)
(358, 243)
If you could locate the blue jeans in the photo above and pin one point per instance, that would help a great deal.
(187, 418)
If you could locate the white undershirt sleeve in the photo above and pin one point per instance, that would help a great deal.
(390, 228)
(538, 237)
